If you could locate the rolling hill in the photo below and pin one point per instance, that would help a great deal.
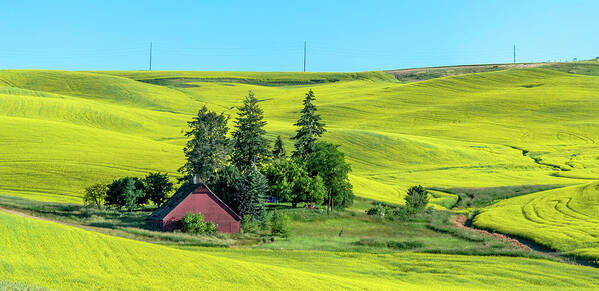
(62, 131)
(565, 219)
(46, 254)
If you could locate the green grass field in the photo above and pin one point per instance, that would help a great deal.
(65, 130)
(565, 219)
(55, 256)
(497, 129)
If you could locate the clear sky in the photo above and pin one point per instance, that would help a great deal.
(269, 35)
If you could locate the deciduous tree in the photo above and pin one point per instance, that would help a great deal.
(328, 162)
(126, 192)
(95, 195)
(157, 186)
(289, 180)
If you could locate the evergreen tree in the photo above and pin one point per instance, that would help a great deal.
(228, 186)
(253, 194)
(278, 151)
(208, 146)
(310, 128)
(250, 145)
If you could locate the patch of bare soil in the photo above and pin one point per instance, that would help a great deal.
(460, 222)
(422, 74)
(506, 66)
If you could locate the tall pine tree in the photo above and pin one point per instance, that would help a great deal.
(252, 196)
(310, 128)
(250, 145)
(278, 151)
(208, 146)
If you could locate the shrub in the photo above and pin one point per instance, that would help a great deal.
(193, 223)
(404, 245)
(401, 213)
(210, 228)
(379, 209)
(248, 225)
(392, 244)
(416, 199)
(279, 224)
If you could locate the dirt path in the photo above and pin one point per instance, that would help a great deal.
(23, 214)
(82, 226)
(460, 222)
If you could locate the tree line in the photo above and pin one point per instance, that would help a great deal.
(130, 192)
(243, 169)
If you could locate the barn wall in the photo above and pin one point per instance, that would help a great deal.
(210, 208)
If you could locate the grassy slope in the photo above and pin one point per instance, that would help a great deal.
(460, 272)
(565, 219)
(448, 132)
(64, 130)
(56, 256)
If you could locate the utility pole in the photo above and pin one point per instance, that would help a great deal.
(514, 54)
(304, 56)
(150, 56)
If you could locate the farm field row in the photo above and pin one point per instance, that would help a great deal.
(565, 219)
(50, 255)
(63, 131)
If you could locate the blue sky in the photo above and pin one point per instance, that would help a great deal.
(269, 35)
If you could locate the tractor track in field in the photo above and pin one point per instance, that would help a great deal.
(461, 221)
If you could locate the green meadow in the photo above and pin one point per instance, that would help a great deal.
(518, 141)
(50, 255)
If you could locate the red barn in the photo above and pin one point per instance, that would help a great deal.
(196, 198)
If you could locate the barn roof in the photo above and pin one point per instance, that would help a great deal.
(180, 195)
